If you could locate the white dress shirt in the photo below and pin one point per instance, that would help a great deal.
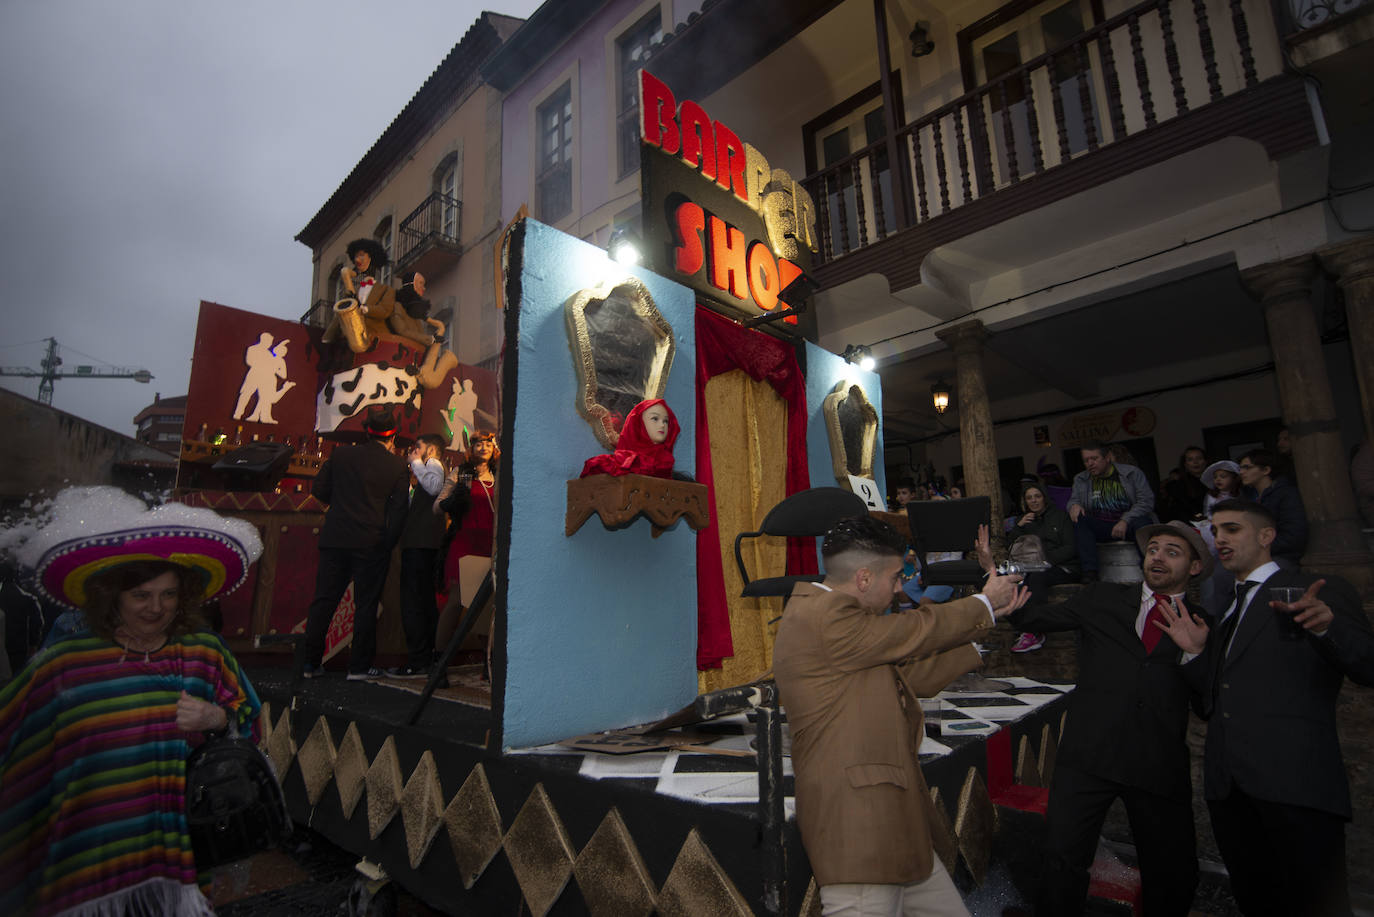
(1147, 603)
(428, 474)
(1258, 576)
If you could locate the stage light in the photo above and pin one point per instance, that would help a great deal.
(860, 356)
(939, 393)
(624, 247)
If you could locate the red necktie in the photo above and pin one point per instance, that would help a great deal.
(1151, 634)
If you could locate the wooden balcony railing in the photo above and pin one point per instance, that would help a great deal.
(1119, 78)
(435, 224)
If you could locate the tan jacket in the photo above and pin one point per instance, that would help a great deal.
(862, 803)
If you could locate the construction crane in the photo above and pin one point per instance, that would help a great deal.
(49, 373)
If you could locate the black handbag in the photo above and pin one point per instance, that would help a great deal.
(234, 805)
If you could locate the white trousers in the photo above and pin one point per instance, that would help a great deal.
(934, 896)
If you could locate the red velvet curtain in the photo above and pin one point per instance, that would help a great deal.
(722, 346)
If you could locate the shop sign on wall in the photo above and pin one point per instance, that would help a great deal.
(717, 216)
(1133, 422)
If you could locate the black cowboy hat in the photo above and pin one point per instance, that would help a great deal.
(372, 247)
(380, 422)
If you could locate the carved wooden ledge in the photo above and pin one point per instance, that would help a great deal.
(620, 499)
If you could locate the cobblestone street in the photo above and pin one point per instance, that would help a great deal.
(309, 877)
(1355, 720)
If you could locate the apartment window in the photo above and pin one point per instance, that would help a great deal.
(383, 236)
(446, 185)
(859, 123)
(553, 184)
(631, 50)
(333, 285)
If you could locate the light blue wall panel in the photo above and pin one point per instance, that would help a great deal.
(601, 626)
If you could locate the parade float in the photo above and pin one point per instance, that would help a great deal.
(627, 754)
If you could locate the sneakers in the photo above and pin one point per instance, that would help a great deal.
(366, 674)
(407, 671)
(1024, 643)
(312, 671)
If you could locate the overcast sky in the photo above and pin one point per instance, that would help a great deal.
(155, 154)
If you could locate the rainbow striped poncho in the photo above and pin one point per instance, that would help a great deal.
(93, 775)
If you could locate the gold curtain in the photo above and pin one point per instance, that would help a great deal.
(748, 424)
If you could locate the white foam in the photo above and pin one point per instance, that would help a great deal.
(82, 512)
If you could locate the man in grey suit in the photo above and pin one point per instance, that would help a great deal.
(366, 488)
(1273, 777)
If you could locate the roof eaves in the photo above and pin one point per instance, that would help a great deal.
(546, 29)
(431, 100)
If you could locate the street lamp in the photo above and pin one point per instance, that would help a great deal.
(939, 395)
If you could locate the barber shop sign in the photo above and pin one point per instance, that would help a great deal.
(717, 216)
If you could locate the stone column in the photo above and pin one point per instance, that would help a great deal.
(1353, 265)
(1285, 290)
(976, 444)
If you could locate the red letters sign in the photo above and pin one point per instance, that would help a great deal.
(735, 228)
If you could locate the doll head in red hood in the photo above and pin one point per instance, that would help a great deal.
(645, 445)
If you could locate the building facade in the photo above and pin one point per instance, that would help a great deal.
(160, 423)
(428, 190)
(1134, 221)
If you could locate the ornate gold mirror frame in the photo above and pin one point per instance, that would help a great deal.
(866, 437)
(592, 367)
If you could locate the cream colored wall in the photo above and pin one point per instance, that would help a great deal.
(472, 131)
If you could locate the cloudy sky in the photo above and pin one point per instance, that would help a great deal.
(155, 154)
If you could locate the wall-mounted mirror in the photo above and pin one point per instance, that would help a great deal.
(622, 350)
(851, 423)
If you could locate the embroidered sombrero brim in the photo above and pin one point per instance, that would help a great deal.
(220, 559)
(89, 530)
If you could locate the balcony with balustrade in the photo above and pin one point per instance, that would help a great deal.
(428, 240)
(1158, 80)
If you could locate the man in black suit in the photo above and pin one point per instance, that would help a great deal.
(1125, 736)
(366, 487)
(1273, 776)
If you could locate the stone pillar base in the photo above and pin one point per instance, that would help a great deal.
(1354, 568)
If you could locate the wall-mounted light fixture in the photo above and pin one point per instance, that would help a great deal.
(921, 45)
(625, 248)
(939, 396)
(860, 356)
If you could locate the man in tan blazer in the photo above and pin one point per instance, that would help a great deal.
(850, 677)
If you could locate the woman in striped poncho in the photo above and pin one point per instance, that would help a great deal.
(94, 736)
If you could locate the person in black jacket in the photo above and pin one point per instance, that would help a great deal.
(1181, 495)
(366, 487)
(1125, 737)
(1272, 773)
(1278, 495)
(1042, 519)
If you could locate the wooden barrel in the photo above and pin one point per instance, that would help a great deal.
(1118, 562)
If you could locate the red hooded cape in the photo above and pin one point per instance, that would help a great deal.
(635, 453)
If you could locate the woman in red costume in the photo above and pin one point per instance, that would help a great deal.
(469, 498)
(645, 445)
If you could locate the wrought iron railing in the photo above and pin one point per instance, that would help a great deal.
(1119, 78)
(438, 219)
(553, 192)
